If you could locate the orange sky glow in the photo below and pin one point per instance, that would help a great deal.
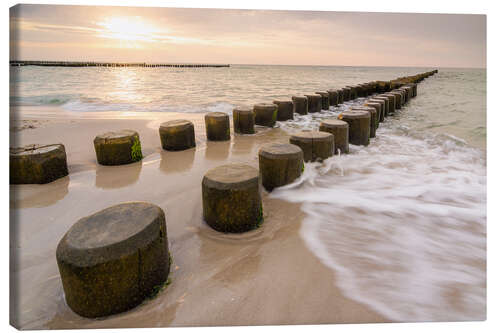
(129, 34)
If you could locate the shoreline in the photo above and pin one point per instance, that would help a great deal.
(263, 277)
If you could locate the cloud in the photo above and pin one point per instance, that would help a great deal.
(255, 36)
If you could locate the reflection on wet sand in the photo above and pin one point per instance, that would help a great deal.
(28, 196)
(116, 176)
(242, 144)
(177, 161)
(217, 151)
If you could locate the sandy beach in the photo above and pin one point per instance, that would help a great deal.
(267, 276)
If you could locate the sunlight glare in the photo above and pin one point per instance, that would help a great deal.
(128, 29)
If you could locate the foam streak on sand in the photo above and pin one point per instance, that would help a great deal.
(404, 228)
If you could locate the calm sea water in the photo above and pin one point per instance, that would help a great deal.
(402, 222)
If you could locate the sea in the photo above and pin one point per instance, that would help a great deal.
(401, 222)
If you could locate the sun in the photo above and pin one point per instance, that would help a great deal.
(128, 29)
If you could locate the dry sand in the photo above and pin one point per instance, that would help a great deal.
(266, 276)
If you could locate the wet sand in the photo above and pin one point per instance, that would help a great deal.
(267, 276)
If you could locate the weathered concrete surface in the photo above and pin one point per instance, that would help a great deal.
(317, 146)
(217, 126)
(340, 131)
(285, 110)
(231, 198)
(118, 147)
(244, 120)
(359, 126)
(392, 103)
(381, 104)
(385, 100)
(325, 100)
(112, 260)
(37, 164)
(265, 114)
(313, 103)
(177, 135)
(300, 105)
(333, 97)
(378, 108)
(373, 119)
(280, 164)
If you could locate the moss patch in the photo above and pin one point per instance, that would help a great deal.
(136, 150)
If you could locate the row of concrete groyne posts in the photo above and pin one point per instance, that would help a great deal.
(19, 63)
(111, 261)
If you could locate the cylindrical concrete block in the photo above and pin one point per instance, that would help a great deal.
(231, 198)
(399, 99)
(217, 126)
(300, 104)
(392, 103)
(378, 107)
(381, 103)
(313, 103)
(354, 93)
(385, 100)
(243, 120)
(359, 126)
(280, 164)
(177, 135)
(119, 147)
(403, 95)
(333, 97)
(285, 110)
(373, 118)
(340, 131)
(347, 93)
(325, 101)
(112, 260)
(265, 114)
(315, 145)
(37, 164)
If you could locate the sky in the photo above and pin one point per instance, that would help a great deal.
(183, 35)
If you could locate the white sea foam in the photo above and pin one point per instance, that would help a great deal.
(402, 222)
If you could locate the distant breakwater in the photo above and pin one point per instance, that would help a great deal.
(107, 64)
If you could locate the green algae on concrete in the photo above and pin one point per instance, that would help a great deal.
(217, 126)
(177, 135)
(280, 164)
(118, 147)
(112, 260)
(231, 198)
(37, 164)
